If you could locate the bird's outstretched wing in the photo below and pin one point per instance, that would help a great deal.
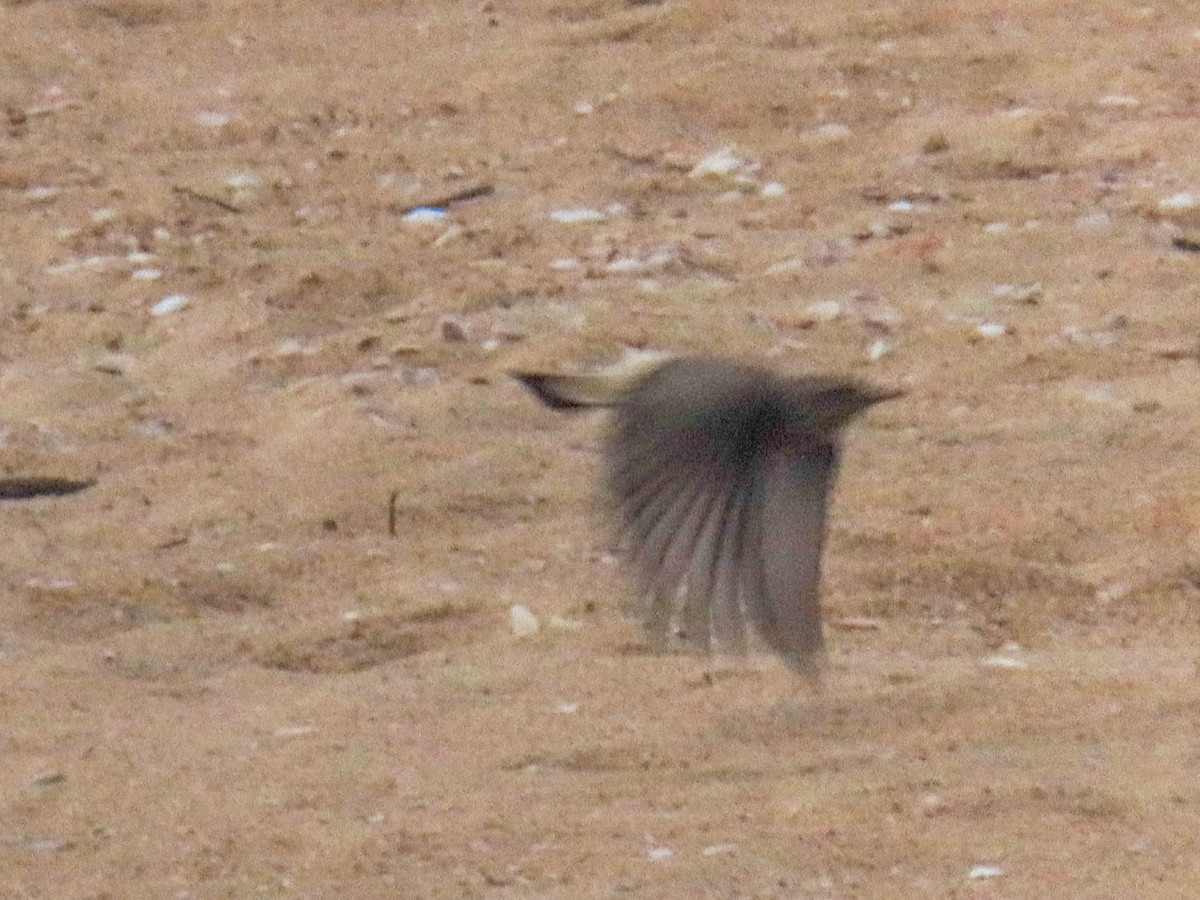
(723, 510)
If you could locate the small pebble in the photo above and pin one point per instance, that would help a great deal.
(722, 163)
(211, 119)
(41, 193)
(454, 330)
(424, 215)
(992, 330)
(1183, 200)
(577, 215)
(979, 872)
(524, 622)
(169, 304)
(824, 310)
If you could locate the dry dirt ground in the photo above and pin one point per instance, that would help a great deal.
(221, 676)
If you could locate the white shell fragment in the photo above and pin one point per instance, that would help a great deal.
(524, 622)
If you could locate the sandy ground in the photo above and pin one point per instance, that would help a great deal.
(221, 676)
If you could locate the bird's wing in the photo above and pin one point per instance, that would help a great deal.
(781, 568)
(733, 525)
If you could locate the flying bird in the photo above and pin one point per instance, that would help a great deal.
(721, 475)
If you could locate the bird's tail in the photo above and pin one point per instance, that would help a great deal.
(607, 387)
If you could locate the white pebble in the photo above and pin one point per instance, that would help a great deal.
(424, 215)
(524, 622)
(146, 274)
(773, 189)
(169, 304)
(825, 310)
(211, 119)
(584, 108)
(577, 215)
(996, 228)
(1095, 220)
(658, 854)
(992, 330)
(41, 193)
(1003, 662)
(243, 181)
(723, 162)
(1182, 200)
(1118, 100)
(566, 709)
(985, 872)
(878, 350)
(833, 131)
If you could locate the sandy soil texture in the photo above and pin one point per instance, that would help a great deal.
(221, 675)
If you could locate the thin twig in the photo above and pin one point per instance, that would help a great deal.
(392, 513)
(24, 487)
(471, 193)
(205, 198)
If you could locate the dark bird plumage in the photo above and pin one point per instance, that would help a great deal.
(721, 474)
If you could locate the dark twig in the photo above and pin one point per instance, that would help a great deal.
(205, 198)
(471, 193)
(25, 487)
(392, 513)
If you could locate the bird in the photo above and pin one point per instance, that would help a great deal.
(720, 473)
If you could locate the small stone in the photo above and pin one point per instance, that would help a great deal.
(824, 310)
(243, 181)
(169, 304)
(773, 189)
(211, 119)
(658, 854)
(992, 330)
(998, 661)
(453, 329)
(722, 164)
(577, 215)
(979, 872)
(41, 193)
(424, 215)
(524, 623)
(1180, 201)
